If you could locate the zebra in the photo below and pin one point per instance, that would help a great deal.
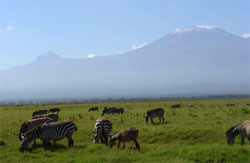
(103, 128)
(242, 129)
(93, 109)
(53, 116)
(50, 131)
(158, 112)
(123, 136)
(39, 112)
(52, 110)
(30, 124)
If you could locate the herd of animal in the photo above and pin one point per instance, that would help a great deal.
(45, 126)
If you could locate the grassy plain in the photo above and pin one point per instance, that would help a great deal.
(189, 134)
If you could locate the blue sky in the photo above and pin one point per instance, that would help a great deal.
(78, 28)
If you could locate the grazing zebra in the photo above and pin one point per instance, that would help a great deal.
(103, 128)
(30, 124)
(190, 105)
(52, 110)
(39, 112)
(242, 129)
(93, 109)
(123, 136)
(50, 131)
(53, 116)
(158, 112)
(175, 106)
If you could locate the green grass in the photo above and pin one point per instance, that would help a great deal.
(189, 134)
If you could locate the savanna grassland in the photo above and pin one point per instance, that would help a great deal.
(189, 134)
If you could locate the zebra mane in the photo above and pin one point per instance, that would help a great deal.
(233, 129)
(31, 130)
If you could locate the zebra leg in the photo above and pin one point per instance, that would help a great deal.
(35, 143)
(160, 118)
(124, 146)
(137, 146)
(106, 140)
(101, 140)
(248, 140)
(242, 140)
(49, 144)
(152, 120)
(44, 143)
(70, 141)
(163, 118)
(119, 142)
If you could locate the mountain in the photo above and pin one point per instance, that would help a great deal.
(188, 61)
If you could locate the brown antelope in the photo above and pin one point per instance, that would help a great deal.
(123, 136)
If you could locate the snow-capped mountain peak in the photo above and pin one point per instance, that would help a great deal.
(197, 28)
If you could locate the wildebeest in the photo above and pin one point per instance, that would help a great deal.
(175, 106)
(158, 112)
(50, 131)
(39, 112)
(230, 105)
(123, 136)
(107, 110)
(93, 109)
(103, 128)
(53, 116)
(112, 110)
(53, 110)
(247, 104)
(242, 129)
(119, 111)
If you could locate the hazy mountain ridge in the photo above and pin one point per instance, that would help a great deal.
(195, 60)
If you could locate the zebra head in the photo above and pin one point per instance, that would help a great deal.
(231, 134)
(95, 138)
(23, 129)
(25, 142)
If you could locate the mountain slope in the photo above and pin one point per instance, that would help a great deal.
(190, 61)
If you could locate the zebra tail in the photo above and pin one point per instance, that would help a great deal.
(75, 128)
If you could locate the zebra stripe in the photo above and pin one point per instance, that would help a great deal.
(50, 131)
(53, 116)
(103, 128)
(158, 112)
(30, 124)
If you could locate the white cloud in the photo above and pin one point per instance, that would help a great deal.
(246, 35)
(134, 47)
(91, 55)
(9, 28)
(105, 54)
